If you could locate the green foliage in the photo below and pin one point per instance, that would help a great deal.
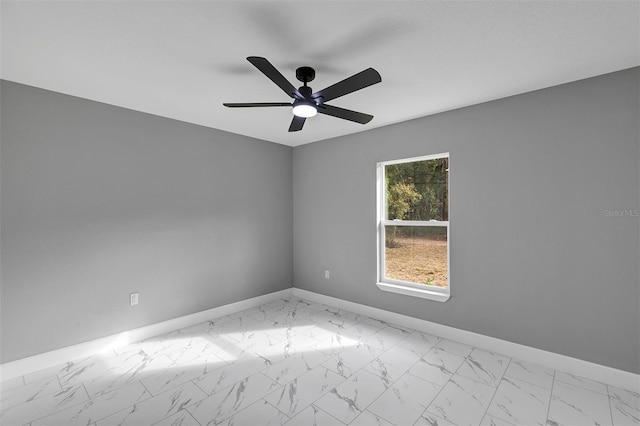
(400, 198)
(418, 190)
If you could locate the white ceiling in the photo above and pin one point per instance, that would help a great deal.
(183, 59)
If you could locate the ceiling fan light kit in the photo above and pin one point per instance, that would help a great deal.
(307, 104)
(304, 109)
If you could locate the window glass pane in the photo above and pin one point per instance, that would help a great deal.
(418, 190)
(417, 254)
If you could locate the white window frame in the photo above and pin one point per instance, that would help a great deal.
(405, 287)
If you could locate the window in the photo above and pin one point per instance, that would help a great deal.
(413, 226)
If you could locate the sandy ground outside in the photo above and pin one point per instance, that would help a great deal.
(418, 260)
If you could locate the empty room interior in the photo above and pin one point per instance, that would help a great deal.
(320, 213)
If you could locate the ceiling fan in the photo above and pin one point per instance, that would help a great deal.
(306, 103)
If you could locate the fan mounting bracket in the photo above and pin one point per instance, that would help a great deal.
(305, 74)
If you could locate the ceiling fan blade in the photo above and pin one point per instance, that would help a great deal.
(355, 82)
(274, 75)
(256, 104)
(296, 123)
(345, 114)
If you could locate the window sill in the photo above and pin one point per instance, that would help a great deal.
(415, 292)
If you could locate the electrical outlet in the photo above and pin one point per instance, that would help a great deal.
(327, 274)
(133, 299)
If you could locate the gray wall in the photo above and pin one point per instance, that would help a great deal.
(534, 258)
(99, 201)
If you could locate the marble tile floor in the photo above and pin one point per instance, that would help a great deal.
(296, 362)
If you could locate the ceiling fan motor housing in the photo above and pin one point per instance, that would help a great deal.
(305, 91)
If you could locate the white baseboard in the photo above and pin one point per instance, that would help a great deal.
(10, 370)
(589, 370)
(578, 367)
